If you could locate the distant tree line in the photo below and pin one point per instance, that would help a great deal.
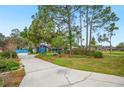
(62, 26)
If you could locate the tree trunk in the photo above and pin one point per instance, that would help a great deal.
(110, 45)
(87, 28)
(36, 48)
(11, 55)
(69, 28)
(90, 33)
(80, 28)
(78, 39)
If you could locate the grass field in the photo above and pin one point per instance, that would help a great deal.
(114, 53)
(109, 64)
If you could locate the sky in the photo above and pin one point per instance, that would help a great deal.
(15, 17)
(20, 16)
(119, 37)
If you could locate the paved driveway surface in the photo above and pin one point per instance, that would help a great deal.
(40, 73)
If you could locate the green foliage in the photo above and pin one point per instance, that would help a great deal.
(89, 53)
(81, 51)
(57, 42)
(49, 54)
(114, 53)
(98, 54)
(8, 54)
(109, 64)
(30, 50)
(17, 40)
(120, 45)
(55, 25)
(1, 82)
(57, 51)
(78, 51)
(8, 65)
(41, 28)
(93, 41)
(12, 64)
(15, 32)
(2, 40)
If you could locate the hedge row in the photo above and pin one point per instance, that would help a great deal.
(81, 51)
(8, 54)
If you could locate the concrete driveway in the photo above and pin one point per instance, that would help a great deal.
(40, 73)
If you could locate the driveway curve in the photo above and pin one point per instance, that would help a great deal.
(40, 73)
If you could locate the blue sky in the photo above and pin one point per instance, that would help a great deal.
(119, 37)
(15, 17)
(20, 16)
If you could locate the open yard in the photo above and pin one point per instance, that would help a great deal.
(108, 64)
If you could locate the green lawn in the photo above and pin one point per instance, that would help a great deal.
(114, 53)
(109, 64)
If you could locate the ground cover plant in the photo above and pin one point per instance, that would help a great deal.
(8, 65)
(1, 82)
(8, 54)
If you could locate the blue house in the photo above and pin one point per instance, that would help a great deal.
(43, 48)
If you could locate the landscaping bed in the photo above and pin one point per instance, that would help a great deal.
(108, 64)
(11, 71)
(1, 82)
(13, 78)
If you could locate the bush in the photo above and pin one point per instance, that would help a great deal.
(83, 52)
(8, 65)
(8, 54)
(78, 51)
(89, 53)
(1, 82)
(98, 54)
(30, 50)
(49, 54)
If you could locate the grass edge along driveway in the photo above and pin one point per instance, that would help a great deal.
(113, 65)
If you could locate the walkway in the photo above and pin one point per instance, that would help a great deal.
(40, 73)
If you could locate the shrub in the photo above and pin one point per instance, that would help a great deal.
(12, 64)
(2, 65)
(1, 82)
(98, 54)
(89, 53)
(30, 50)
(50, 54)
(8, 65)
(8, 54)
(78, 51)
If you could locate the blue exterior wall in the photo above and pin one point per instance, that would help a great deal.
(42, 49)
(22, 51)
